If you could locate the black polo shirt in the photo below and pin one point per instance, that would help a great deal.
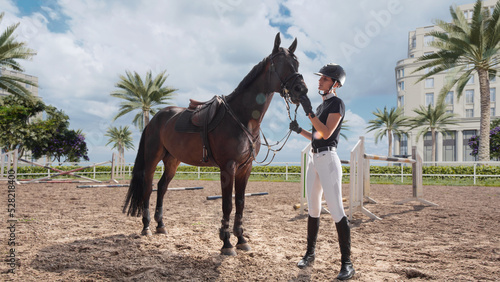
(329, 106)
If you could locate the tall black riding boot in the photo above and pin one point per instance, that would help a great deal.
(312, 235)
(344, 232)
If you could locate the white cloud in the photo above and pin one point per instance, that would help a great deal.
(8, 7)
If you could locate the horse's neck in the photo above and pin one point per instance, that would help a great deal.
(250, 107)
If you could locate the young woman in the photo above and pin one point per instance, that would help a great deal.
(324, 170)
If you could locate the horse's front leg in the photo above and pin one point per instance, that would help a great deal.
(227, 180)
(241, 181)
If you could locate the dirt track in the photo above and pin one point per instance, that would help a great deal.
(70, 234)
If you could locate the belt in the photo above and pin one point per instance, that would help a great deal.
(322, 149)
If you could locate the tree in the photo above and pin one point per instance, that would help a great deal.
(345, 127)
(433, 119)
(24, 129)
(15, 115)
(142, 95)
(468, 47)
(64, 143)
(494, 140)
(11, 51)
(121, 137)
(387, 123)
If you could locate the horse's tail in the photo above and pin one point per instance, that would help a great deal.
(135, 195)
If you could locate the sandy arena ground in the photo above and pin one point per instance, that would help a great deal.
(70, 234)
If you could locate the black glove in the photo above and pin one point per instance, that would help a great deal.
(306, 104)
(294, 125)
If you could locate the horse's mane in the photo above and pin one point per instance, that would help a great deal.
(249, 78)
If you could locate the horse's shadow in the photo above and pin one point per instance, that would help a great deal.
(124, 258)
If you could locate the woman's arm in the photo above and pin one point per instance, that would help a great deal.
(325, 130)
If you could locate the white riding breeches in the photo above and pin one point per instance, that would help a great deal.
(324, 175)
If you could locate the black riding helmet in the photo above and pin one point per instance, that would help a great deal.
(333, 71)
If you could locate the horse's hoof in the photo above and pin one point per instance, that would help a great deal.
(146, 232)
(243, 247)
(161, 230)
(228, 252)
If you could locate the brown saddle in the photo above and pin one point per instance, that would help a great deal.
(201, 117)
(204, 112)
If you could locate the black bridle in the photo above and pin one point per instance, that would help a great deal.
(284, 89)
(285, 94)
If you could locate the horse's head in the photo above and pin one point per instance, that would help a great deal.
(283, 71)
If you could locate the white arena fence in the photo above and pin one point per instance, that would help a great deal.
(287, 175)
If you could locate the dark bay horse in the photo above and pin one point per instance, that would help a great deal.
(234, 143)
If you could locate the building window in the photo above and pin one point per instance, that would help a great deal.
(469, 96)
(493, 95)
(492, 78)
(401, 85)
(469, 113)
(467, 150)
(401, 101)
(429, 99)
(429, 83)
(414, 42)
(428, 39)
(492, 112)
(449, 147)
(401, 73)
(449, 98)
(403, 146)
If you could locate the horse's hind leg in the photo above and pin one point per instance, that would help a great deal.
(227, 180)
(153, 154)
(240, 184)
(170, 165)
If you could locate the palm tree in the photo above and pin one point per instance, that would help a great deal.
(142, 95)
(121, 137)
(345, 127)
(433, 119)
(468, 47)
(11, 51)
(387, 123)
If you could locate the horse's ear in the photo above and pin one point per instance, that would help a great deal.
(277, 42)
(293, 46)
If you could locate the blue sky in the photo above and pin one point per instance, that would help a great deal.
(207, 47)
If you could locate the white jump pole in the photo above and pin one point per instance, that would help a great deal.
(8, 160)
(357, 179)
(417, 185)
(303, 167)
